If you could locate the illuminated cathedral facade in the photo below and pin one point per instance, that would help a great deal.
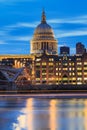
(43, 39)
(44, 64)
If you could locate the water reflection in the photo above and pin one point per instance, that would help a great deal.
(53, 115)
(21, 123)
(70, 117)
(30, 114)
(25, 119)
(42, 114)
(85, 115)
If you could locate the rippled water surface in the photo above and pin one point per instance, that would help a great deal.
(23, 113)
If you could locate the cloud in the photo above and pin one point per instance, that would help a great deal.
(65, 33)
(9, 29)
(2, 42)
(79, 20)
(20, 25)
(2, 33)
(24, 24)
(28, 25)
(6, 35)
(14, 1)
(60, 45)
(73, 20)
(10, 38)
(22, 38)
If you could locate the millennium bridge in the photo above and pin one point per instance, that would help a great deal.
(10, 78)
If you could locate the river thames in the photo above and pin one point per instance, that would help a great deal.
(29, 113)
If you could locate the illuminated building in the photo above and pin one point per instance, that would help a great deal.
(46, 66)
(43, 39)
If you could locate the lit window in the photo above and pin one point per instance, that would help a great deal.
(70, 68)
(73, 78)
(44, 78)
(85, 78)
(79, 82)
(43, 63)
(73, 73)
(56, 63)
(37, 79)
(85, 68)
(79, 73)
(85, 63)
(51, 59)
(85, 73)
(38, 64)
(79, 63)
(79, 68)
(78, 59)
(59, 78)
(65, 64)
(50, 63)
(70, 74)
(43, 69)
(65, 69)
(38, 59)
(72, 64)
(79, 78)
(73, 68)
(43, 73)
(56, 73)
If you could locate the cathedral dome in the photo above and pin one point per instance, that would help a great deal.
(43, 39)
(43, 30)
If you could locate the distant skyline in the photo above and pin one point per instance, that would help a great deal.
(19, 18)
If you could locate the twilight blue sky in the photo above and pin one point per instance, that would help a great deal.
(18, 19)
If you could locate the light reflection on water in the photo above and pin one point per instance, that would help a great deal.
(19, 113)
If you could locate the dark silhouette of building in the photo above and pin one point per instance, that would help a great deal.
(64, 50)
(80, 48)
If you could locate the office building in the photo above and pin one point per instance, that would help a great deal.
(80, 48)
(64, 50)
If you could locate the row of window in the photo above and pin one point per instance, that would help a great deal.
(52, 63)
(62, 79)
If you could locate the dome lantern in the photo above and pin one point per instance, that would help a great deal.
(43, 17)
